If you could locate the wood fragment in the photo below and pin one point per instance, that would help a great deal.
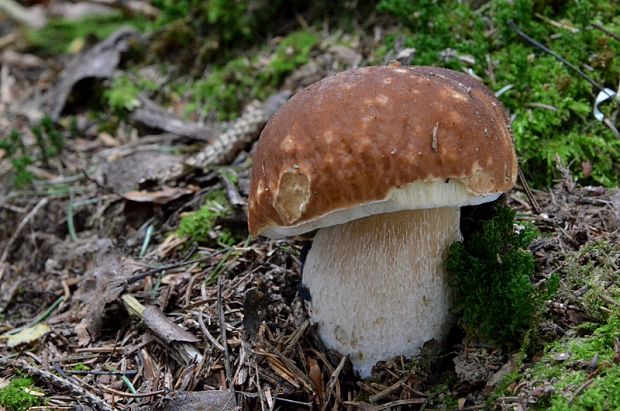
(207, 334)
(34, 18)
(168, 332)
(58, 382)
(224, 342)
(333, 379)
(385, 392)
(132, 395)
(225, 146)
(528, 192)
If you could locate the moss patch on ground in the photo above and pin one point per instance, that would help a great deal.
(551, 104)
(244, 78)
(595, 271)
(589, 379)
(581, 371)
(17, 395)
(201, 225)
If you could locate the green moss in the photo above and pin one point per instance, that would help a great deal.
(49, 141)
(567, 377)
(15, 396)
(200, 225)
(20, 158)
(244, 78)
(491, 274)
(292, 52)
(441, 398)
(595, 270)
(220, 28)
(81, 367)
(551, 104)
(123, 93)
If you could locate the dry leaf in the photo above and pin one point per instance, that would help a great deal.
(28, 335)
(316, 376)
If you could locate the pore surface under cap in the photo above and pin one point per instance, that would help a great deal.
(354, 138)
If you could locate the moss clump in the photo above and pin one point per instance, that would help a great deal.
(245, 78)
(491, 274)
(200, 226)
(551, 104)
(124, 91)
(81, 367)
(592, 358)
(16, 395)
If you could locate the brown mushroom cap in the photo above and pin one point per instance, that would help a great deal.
(354, 138)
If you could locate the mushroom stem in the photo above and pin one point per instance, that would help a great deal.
(378, 285)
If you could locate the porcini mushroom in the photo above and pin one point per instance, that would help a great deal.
(379, 160)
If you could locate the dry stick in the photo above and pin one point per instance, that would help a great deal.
(528, 192)
(21, 14)
(131, 395)
(61, 383)
(223, 333)
(206, 332)
(333, 379)
(387, 391)
(21, 226)
(391, 405)
(158, 270)
(259, 389)
(99, 372)
(558, 57)
(604, 30)
(609, 300)
(17, 232)
(583, 386)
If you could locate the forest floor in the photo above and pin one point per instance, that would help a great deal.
(128, 279)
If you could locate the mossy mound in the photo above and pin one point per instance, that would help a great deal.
(491, 272)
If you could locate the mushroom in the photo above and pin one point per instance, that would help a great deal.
(379, 160)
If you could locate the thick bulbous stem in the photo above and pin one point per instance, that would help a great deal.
(378, 285)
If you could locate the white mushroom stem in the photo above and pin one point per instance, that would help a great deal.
(378, 285)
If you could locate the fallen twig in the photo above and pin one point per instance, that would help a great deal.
(528, 192)
(557, 57)
(131, 395)
(604, 30)
(240, 133)
(176, 338)
(131, 7)
(21, 14)
(58, 382)
(18, 231)
(220, 308)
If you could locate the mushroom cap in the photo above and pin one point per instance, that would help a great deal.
(379, 139)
